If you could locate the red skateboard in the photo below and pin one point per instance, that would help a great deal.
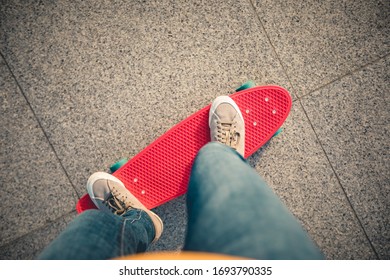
(161, 171)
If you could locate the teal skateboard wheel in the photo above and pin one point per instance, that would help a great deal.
(246, 85)
(118, 165)
(277, 132)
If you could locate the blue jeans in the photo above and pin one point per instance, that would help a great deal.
(231, 210)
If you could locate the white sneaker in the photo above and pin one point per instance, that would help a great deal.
(109, 194)
(227, 124)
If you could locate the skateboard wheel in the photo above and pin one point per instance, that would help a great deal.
(246, 85)
(118, 165)
(277, 132)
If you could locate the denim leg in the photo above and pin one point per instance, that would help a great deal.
(231, 210)
(95, 234)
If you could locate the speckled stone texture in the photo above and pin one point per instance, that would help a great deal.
(352, 120)
(106, 79)
(34, 189)
(318, 41)
(295, 167)
(95, 81)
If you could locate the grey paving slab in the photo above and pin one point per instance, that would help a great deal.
(33, 187)
(319, 41)
(296, 168)
(31, 245)
(352, 120)
(107, 79)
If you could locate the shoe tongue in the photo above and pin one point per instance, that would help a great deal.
(111, 185)
(225, 112)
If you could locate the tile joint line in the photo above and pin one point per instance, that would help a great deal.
(40, 124)
(312, 127)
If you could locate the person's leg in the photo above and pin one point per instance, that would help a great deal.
(232, 211)
(95, 234)
(121, 226)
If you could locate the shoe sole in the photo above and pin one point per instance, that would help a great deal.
(101, 176)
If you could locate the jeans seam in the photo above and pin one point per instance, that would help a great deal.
(124, 226)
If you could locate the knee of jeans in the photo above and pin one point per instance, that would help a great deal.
(213, 146)
(91, 214)
(216, 147)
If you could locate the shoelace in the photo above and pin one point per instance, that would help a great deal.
(117, 205)
(227, 133)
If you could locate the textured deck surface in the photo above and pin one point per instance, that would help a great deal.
(162, 170)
